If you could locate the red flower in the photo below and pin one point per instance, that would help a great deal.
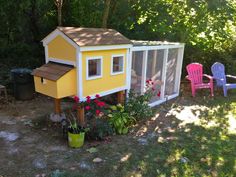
(152, 83)
(96, 101)
(101, 104)
(159, 94)
(88, 99)
(76, 99)
(87, 108)
(97, 96)
(97, 112)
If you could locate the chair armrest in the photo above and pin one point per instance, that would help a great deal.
(218, 78)
(230, 76)
(208, 76)
(187, 77)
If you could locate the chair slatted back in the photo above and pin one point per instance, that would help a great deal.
(195, 72)
(218, 71)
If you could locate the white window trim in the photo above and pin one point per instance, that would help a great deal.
(123, 67)
(87, 67)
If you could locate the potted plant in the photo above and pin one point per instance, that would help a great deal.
(75, 132)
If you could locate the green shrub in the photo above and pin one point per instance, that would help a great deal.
(120, 119)
(137, 105)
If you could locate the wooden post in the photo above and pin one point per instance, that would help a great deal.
(121, 97)
(57, 105)
(80, 115)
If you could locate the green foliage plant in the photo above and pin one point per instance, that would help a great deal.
(138, 104)
(120, 119)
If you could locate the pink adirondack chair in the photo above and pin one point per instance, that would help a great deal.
(195, 75)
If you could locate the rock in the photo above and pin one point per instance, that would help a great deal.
(39, 163)
(9, 136)
(57, 117)
(85, 165)
(184, 159)
(97, 160)
(143, 141)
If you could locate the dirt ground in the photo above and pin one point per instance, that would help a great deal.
(31, 145)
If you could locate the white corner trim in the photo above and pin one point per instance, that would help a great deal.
(62, 61)
(46, 53)
(105, 93)
(87, 67)
(54, 34)
(105, 47)
(123, 66)
(128, 68)
(79, 74)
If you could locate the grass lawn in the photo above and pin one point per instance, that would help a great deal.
(187, 137)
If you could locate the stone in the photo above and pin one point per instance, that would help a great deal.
(143, 141)
(9, 136)
(57, 117)
(97, 160)
(39, 163)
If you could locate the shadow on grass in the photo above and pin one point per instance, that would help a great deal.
(204, 147)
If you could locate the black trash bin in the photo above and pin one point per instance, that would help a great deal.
(23, 83)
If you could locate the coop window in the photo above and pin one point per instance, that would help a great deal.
(43, 81)
(117, 66)
(94, 68)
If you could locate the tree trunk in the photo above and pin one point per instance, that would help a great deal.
(106, 13)
(59, 4)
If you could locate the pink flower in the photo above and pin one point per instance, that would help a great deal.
(88, 97)
(98, 112)
(87, 108)
(76, 99)
(159, 94)
(96, 101)
(97, 96)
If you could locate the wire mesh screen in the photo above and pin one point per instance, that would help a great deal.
(154, 71)
(171, 72)
(136, 71)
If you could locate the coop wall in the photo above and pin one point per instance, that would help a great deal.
(60, 49)
(108, 83)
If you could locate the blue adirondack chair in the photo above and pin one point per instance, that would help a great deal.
(218, 71)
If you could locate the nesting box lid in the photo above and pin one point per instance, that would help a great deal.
(52, 71)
